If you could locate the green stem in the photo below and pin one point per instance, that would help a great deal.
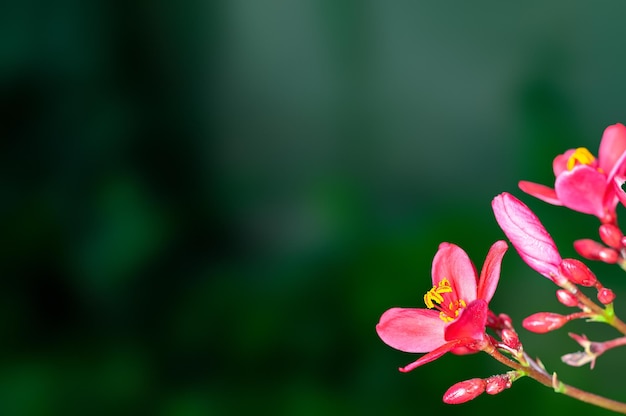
(558, 387)
(608, 314)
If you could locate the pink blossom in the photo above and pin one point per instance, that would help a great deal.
(542, 322)
(456, 308)
(498, 383)
(593, 250)
(529, 237)
(606, 296)
(611, 235)
(576, 272)
(584, 183)
(464, 391)
(566, 298)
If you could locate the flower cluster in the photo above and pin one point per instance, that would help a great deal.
(456, 316)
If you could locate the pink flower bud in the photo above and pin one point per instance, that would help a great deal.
(606, 296)
(510, 339)
(506, 320)
(496, 384)
(588, 248)
(566, 298)
(543, 322)
(611, 235)
(608, 255)
(575, 271)
(529, 237)
(592, 250)
(464, 391)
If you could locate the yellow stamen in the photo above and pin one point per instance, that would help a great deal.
(581, 156)
(434, 298)
(454, 308)
(434, 295)
(445, 317)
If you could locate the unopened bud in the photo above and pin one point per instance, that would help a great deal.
(506, 320)
(611, 235)
(510, 339)
(608, 255)
(592, 250)
(464, 391)
(606, 296)
(566, 298)
(496, 384)
(576, 272)
(543, 322)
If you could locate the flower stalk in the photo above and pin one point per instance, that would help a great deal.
(457, 317)
(559, 387)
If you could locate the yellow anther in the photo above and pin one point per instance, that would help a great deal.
(445, 317)
(453, 310)
(444, 286)
(429, 297)
(434, 295)
(581, 156)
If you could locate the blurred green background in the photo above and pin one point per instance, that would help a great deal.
(206, 206)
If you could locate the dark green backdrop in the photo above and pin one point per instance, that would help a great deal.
(206, 206)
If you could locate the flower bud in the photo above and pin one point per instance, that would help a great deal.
(510, 339)
(588, 248)
(592, 250)
(606, 296)
(576, 272)
(543, 322)
(608, 255)
(464, 391)
(611, 235)
(496, 384)
(506, 320)
(529, 237)
(566, 298)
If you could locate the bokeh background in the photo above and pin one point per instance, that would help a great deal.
(206, 206)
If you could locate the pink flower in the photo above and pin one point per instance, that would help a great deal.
(584, 183)
(529, 237)
(456, 308)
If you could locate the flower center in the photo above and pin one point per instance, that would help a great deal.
(439, 297)
(580, 156)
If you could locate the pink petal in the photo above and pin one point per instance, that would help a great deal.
(582, 189)
(452, 262)
(490, 273)
(411, 330)
(612, 147)
(618, 183)
(546, 194)
(559, 164)
(433, 355)
(527, 234)
(470, 324)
